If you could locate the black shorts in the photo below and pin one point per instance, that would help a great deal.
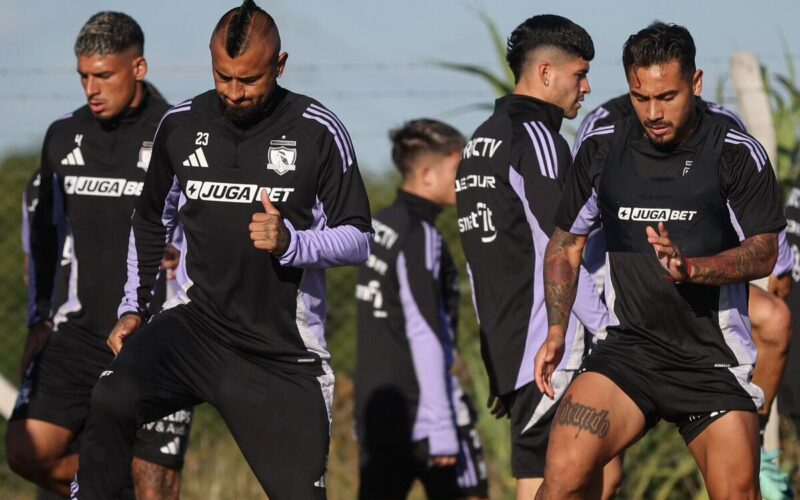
(691, 398)
(277, 411)
(531, 414)
(58, 384)
(388, 472)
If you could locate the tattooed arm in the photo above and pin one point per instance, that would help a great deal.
(753, 259)
(562, 260)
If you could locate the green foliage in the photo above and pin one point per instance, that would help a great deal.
(14, 174)
(784, 96)
(501, 82)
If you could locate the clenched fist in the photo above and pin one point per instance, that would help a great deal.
(267, 229)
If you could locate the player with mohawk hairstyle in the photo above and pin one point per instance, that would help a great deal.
(266, 185)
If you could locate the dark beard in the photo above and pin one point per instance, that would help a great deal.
(245, 117)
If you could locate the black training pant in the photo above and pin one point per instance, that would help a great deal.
(278, 412)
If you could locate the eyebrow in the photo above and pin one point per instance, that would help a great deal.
(658, 96)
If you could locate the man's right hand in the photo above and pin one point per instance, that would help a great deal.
(122, 330)
(546, 361)
(34, 343)
(496, 406)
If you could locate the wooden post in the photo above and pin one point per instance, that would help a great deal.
(752, 104)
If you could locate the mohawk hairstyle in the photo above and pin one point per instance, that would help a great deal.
(236, 25)
(422, 136)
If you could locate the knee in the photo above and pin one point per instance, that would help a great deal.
(20, 454)
(772, 325)
(565, 478)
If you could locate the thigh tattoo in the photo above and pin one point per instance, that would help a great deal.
(584, 418)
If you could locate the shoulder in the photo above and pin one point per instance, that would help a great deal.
(740, 147)
(321, 124)
(724, 114)
(598, 139)
(185, 112)
(317, 117)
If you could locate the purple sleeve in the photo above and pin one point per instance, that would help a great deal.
(589, 308)
(327, 247)
(785, 261)
(435, 419)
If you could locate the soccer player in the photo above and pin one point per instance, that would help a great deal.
(413, 420)
(92, 167)
(508, 188)
(266, 185)
(691, 211)
(769, 316)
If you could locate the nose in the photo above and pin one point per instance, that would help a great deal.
(235, 91)
(91, 87)
(587, 89)
(654, 110)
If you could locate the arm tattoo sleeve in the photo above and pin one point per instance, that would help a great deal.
(561, 275)
(754, 259)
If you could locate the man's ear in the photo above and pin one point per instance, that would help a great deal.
(139, 68)
(697, 82)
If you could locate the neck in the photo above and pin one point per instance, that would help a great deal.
(530, 88)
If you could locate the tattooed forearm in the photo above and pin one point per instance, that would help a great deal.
(561, 263)
(584, 418)
(754, 259)
(155, 482)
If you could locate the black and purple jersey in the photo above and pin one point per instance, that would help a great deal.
(712, 191)
(208, 174)
(508, 188)
(620, 107)
(92, 173)
(408, 300)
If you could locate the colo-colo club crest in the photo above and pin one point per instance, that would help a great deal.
(282, 156)
(145, 152)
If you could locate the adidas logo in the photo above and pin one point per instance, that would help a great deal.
(74, 158)
(171, 448)
(196, 159)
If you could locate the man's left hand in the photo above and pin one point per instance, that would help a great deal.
(668, 253)
(267, 229)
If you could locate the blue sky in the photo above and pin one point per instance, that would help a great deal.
(367, 60)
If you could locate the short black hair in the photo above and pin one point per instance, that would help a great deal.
(421, 136)
(659, 44)
(236, 23)
(107, 33)
(546, 30)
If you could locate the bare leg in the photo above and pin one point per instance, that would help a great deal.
(527, 487)
(37, 451)
(727, 453)
(772, 333)
(612, 478)
(155, 482)
(595, 421)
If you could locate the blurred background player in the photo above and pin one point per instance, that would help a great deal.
(413, 420)
(93, 165)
